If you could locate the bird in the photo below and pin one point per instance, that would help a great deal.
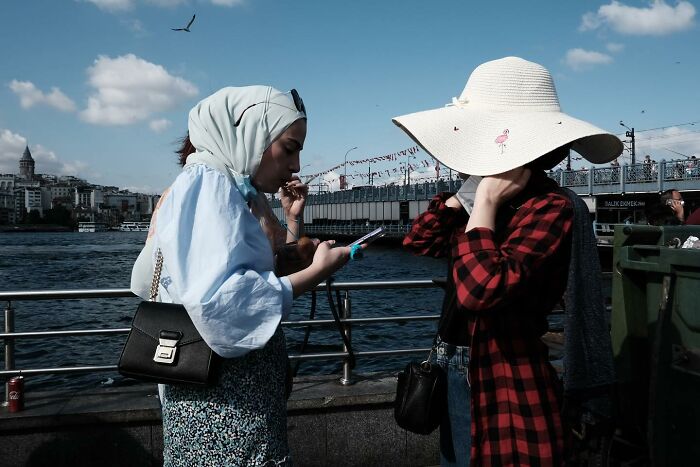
(186, 28)
(501, 140)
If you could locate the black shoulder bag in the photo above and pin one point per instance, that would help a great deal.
(164, 346)
(421, 396)
(421, 391)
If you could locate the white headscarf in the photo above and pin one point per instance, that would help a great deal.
(263, 113)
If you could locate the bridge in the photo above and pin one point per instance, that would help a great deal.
(355, 211)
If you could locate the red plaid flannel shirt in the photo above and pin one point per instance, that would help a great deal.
(508, 281)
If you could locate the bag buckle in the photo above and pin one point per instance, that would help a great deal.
(167, 348)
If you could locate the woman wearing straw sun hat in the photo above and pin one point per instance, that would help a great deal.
(509, 244)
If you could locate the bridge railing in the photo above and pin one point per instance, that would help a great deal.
(612, 179)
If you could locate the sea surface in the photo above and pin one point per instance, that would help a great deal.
(101, 260)
(73, 260)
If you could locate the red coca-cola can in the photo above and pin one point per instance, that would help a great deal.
(16, 394)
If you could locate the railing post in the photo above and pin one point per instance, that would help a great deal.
(623, 177)
(346, 313)
(9, 346)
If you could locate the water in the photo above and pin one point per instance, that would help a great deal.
(72, 260)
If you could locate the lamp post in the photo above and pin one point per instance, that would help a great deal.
(345, 165)
(629, 134)
(408, 169)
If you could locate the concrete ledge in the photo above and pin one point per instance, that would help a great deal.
(328, 424)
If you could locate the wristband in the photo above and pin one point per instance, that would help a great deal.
(355, 252)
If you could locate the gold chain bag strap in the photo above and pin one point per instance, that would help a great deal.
(164, 346)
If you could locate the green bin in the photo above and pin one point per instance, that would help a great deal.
(655, 326)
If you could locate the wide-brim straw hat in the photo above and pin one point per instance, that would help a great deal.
(507, 116)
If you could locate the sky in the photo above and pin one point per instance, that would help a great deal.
(100, 89)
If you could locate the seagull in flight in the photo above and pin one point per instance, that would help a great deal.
(186, 28)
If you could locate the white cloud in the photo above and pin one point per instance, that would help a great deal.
(148, 189)
(614, 47)
(135, 26)
(579, 59)
(12, 147)
(113, 5)
(657, 19)
(166, 3)
(159, 125)
(227, 2)
(330, 181)
(119, 6)
(129, 89)
(30, 95)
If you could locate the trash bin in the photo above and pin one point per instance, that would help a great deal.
(655, 326)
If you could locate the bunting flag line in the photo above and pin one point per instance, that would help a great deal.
(388, 157)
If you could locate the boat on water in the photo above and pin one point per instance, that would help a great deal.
(134, 226)
(92, 227)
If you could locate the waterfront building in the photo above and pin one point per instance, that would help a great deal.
(88, 197)
(26, 165)
(7, 182)
(28, 192)
(62, 195)
(7, 207)
(30, 200)
(7, 199)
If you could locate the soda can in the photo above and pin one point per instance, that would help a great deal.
(16, 394)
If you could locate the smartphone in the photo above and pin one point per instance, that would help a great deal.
(370, 237)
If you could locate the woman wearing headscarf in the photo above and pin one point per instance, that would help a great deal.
(218, 238)
(508, 238)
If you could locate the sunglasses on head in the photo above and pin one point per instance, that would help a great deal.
(298, 103)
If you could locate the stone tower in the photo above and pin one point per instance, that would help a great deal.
(26, 165)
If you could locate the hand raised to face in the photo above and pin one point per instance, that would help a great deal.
(499, 188)
(293, 197)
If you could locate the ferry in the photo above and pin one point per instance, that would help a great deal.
(134, 226)
(92, 227)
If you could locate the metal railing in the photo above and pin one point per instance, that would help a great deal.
(10, 336)
(392, 230)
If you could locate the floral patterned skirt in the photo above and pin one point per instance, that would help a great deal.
(241, 421)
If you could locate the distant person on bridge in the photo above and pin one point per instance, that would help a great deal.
(509, 244)
(218, 238)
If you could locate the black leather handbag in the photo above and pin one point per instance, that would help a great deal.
(164, 346)
(421, 396)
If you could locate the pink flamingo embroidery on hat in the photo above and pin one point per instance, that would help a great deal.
(501, 140)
